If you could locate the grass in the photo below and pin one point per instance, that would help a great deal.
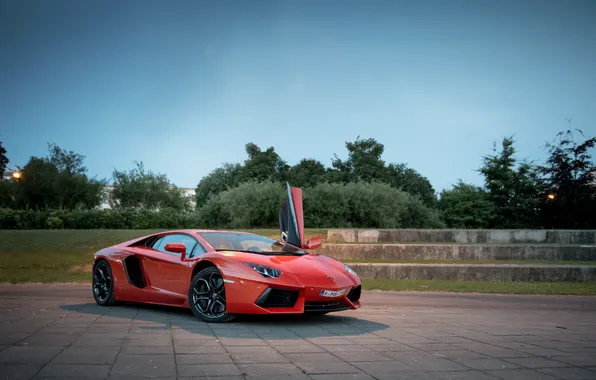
(458, 243)
(66, 255)
(553, 288)
(526, 262)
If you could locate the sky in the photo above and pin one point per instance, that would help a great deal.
(183, 86)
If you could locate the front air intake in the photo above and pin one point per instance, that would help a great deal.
(278, 298)
(324, 307)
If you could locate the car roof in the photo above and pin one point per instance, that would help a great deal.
(203, 231)
(188, 231)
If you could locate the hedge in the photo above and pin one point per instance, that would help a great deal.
(252, 205)
(92, 219)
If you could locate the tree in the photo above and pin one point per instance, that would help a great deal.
(364, 162)
(260, 166)
(37, 187)
(466, 206)
(306, 173)
(65, 161)
(263, 165)
(7, 188)
(73, 187)
(57, 181)
(3, 160)
(412, 182)
(512, 188)
(569, 176)
(140, 189)
(7, 193)
(218, 181)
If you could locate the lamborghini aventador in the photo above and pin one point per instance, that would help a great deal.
(219, 274)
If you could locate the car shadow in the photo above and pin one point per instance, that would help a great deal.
(155, 318)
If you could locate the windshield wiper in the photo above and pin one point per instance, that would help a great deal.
(234, 250)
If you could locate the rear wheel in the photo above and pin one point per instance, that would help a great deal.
(207, 296)
(103, 284)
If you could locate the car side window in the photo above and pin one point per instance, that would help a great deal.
(199, 250)
(155, 242)
(188, 241)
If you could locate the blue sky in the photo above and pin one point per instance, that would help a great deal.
(183, 86)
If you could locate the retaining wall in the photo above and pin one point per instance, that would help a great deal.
(458, 252)
(462, 272)
(462, 236)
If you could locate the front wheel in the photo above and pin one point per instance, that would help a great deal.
(103, 284)
(207, 296)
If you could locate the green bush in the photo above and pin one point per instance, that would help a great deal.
(53, 223)
(250, 205)
(359, 205)
(365, 205)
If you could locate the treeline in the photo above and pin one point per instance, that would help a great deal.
(59, 181)
(517, 193)
(361, 191)
(250, 205)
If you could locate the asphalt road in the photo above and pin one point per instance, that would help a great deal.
(57, 332)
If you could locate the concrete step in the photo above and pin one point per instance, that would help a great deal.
(477, 272)
(458, 252)
(461, 236)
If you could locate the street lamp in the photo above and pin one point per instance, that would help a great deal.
(551, 196)
(17, 175)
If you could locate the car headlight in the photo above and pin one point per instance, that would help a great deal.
(350, 271)
(265, 271)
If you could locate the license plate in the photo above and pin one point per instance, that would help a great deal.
(332, 293)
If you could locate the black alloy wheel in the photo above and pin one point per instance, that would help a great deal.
(103, 284)
(207, 296)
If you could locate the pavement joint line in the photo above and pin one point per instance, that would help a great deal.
(342, 360)
(281, 353)
(244, 375)
(173, 344)
(123, 341)
(65, 347)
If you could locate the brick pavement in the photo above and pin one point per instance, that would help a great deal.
(57, 332)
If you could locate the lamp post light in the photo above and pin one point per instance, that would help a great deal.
(17, 175)
(551, 196)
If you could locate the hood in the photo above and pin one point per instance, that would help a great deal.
(311, 269)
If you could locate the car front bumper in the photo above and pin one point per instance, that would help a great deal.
(245, 296)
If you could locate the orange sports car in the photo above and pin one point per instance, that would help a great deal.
(220, 274)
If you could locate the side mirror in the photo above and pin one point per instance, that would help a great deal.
(176, 248)
(314, 243)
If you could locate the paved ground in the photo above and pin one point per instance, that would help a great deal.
(58, 332)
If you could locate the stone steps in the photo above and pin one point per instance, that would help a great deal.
(461, 236)
(481, 246)
(476, 272)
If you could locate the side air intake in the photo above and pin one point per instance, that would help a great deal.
(354, 294)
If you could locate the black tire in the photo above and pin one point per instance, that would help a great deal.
(103, 284)
(207, 296)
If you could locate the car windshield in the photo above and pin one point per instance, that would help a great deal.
(230, 241)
